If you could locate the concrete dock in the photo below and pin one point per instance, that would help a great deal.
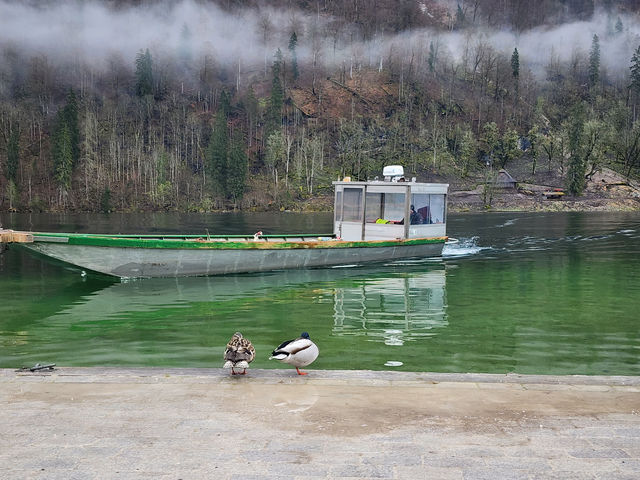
(154, 423)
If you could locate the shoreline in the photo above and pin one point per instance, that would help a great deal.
(465, 202)
(604, 191)
(537, 205)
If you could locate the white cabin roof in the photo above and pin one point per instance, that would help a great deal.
(382, 186)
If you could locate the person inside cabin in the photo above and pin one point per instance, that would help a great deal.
(415, 218)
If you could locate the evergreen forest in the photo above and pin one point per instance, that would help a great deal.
(208, 105)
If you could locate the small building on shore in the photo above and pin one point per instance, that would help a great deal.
(504, 180)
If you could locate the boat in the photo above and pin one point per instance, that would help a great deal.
(369, 226)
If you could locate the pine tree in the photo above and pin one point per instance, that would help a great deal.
(515, 69)
(70, 118)
(619, 26)
(635, 70)
(276, 68)
(144, 73)
(575, 180)
(276, 100)
(515, 64)
(237, 169)
(293, 43)
(63, 156)
(224, 102)
(66, 142)
(594, 62)
(433, 54)
(250, 105)
(216, 165)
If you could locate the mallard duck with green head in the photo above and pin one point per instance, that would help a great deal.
(298, 352)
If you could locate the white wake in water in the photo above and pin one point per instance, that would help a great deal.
(464, 247)
(508, 223)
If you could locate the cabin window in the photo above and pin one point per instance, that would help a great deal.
(338, 206)
(437, 208)
(429, 208)
(422, 206)
(352, 210)
(394, 206)
(384, 207)
(373, 208)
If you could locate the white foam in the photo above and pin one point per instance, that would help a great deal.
(464, 247)
(508, 223)
(393, 363)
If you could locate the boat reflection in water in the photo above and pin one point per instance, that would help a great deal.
(392, 310)
(187, 321)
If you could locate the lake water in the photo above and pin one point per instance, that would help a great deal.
(547, 293)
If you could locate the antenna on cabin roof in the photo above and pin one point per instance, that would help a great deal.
(393, 173)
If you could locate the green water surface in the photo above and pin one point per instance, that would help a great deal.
(528, 293)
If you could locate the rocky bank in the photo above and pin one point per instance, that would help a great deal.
(605, 191)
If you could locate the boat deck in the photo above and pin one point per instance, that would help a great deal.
(13, 236)
(230, 238)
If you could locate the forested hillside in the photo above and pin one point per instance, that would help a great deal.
(206, 105)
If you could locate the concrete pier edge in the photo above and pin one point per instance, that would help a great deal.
(361, 377)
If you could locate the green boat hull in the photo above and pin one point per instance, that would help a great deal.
(173, 256)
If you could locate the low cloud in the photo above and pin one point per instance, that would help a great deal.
(91, 32)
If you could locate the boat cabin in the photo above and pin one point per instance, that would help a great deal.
(389, 209)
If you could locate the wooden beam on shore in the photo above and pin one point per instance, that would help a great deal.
(13, 236)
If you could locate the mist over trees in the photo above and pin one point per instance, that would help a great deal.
(201, 105)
